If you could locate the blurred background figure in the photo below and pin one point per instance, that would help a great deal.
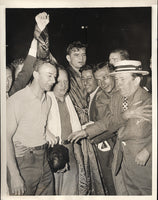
(18, 65)
(118, 55)
(9, 79)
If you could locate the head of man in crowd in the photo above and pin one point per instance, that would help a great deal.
(128, 75)
(18, 65)
(61, 87)
(9, 78)
(44, 75)
(76, 55)
(118, 55)
(88, 80)
(102, 74)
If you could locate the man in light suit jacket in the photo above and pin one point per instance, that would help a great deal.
(131, 117)
(98, 101)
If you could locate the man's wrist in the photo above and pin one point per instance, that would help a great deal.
(147, 151)
(32, 52)
(14, 173)
(41, 27)
(85, 133)
(127, 114)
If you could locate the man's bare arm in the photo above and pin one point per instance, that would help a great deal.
(17, 183)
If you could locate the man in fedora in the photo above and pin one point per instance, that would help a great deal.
(130, 114)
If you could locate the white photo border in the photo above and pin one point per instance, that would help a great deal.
(75, 4)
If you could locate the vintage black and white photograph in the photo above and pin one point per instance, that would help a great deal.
(77, 92)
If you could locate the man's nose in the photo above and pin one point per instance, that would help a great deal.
(63, 84)
(103, 83)
(84, 82)
(52, 80)
(80, 57)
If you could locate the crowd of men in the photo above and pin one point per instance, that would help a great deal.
(100, 113)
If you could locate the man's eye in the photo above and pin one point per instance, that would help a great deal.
(105, 77)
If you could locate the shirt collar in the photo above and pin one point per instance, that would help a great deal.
(74, 72)
(33, 96)
(93, 93)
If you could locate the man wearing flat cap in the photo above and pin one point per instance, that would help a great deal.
(129, 114)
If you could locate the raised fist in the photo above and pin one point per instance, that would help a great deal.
(42, 20)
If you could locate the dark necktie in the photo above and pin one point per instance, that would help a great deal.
(125, 104)
(88, 100)
(120, 150)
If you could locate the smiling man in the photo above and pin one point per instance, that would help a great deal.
(104, 80)
(98, 101)
(27, 113)
(130, 115)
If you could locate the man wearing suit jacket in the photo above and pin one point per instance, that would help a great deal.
(98, 101)
(130, 114)
(133, 158)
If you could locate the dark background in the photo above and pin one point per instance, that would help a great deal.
(108, 29)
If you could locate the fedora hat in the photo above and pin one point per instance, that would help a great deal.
(130, 66)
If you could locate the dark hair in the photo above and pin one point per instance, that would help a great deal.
(102, 65)
(123, 53)
(75, 45)
(15, 63)
(58, 156)
(86, 67)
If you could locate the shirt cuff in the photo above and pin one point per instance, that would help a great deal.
(32, 52)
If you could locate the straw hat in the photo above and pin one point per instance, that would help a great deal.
(130, 66)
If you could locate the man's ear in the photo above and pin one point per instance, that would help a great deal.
(137, 81)
(68, 58)
(35, 75)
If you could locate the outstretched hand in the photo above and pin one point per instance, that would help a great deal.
(42, 20)
(76, 136)
(142, 112)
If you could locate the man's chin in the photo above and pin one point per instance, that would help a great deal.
(124, 94)
(48, 88)
(107, 90)
(80, 65)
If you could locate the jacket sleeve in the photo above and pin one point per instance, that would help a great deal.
(111, 121)
(107, 123)
(149, 143)
(43, 51)
(24, 76)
